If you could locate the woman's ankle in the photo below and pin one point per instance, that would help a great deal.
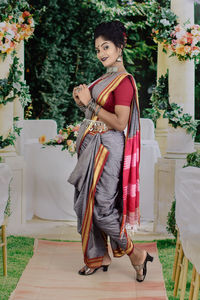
(138, 256)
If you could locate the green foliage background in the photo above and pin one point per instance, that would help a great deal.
(61, 54)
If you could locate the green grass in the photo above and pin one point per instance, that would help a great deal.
(20, 250)
(166, 250)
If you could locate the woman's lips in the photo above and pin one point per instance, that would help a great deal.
(104, 58)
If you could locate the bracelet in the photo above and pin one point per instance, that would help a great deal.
(92, 105)
(98, 110)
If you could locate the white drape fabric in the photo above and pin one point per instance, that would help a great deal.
(5, 178)
(187, 192)
(48, 194)
(150, 152)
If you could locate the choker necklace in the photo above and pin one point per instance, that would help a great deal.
(112, 70)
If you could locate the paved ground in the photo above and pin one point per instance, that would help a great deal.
(52, 274)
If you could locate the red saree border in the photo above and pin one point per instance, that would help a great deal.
(100, 160)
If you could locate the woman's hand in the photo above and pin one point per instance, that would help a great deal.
(83, 94)
(75, 96)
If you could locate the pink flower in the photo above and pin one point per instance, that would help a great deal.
(178, 28)
(76, 128)
(195, 26)
(59, 139)
(189, 37)
(174, 42)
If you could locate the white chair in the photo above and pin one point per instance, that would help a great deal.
(147, 129)
(150, 153)
(32, 130)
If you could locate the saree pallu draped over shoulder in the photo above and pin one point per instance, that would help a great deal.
(106, 179)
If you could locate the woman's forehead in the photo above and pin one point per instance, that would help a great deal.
(100, 41)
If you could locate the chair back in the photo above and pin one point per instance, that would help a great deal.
(32, 130)
(147, 129)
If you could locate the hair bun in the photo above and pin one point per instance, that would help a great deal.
(114, 31)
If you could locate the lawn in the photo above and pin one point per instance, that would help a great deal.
(20, 250)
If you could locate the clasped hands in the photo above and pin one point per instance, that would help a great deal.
(81, 94)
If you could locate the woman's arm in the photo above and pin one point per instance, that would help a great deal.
(117, 120)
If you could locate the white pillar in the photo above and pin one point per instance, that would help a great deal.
(181, 73)
(162, 62)
(181, 86)
(6, 111)
(162, 124)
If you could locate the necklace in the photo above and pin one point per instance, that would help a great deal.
(112, 70)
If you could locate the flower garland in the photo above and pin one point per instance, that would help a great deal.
(16, 25)
(11, 138)
(13, 86)
(182, 40)
(186, 41)
(172, 111)
(66, 138)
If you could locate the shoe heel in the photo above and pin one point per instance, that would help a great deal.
(105, 268)
(149, 257)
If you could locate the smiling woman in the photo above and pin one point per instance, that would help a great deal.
(106, 177)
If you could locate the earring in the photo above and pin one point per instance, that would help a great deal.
(119, 59)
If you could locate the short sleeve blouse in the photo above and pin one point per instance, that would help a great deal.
(122, 95)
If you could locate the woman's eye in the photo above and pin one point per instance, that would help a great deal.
(106, 47)
(97, 51)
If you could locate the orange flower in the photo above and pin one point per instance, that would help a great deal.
(25, 14)
(42, 139)
(69, 142)
(180, 49)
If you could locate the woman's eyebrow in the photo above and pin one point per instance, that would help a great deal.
(101, 44)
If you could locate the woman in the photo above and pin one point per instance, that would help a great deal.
(107, 173)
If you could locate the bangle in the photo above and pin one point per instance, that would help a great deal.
(98, 110)
(92, 105)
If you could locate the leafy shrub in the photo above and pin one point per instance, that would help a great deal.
(171, 220)
(193, 159)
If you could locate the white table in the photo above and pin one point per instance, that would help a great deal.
(48, 194)
(150, 152)
(187, 192)
(5, 177)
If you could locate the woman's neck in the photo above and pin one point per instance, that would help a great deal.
(116, 68)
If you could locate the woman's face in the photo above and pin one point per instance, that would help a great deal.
(107, 52)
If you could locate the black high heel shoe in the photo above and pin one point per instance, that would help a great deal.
(143, 267)
(87, 271)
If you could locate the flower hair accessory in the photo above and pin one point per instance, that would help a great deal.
(125, 38)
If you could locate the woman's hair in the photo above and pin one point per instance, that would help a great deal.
(113, 31)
